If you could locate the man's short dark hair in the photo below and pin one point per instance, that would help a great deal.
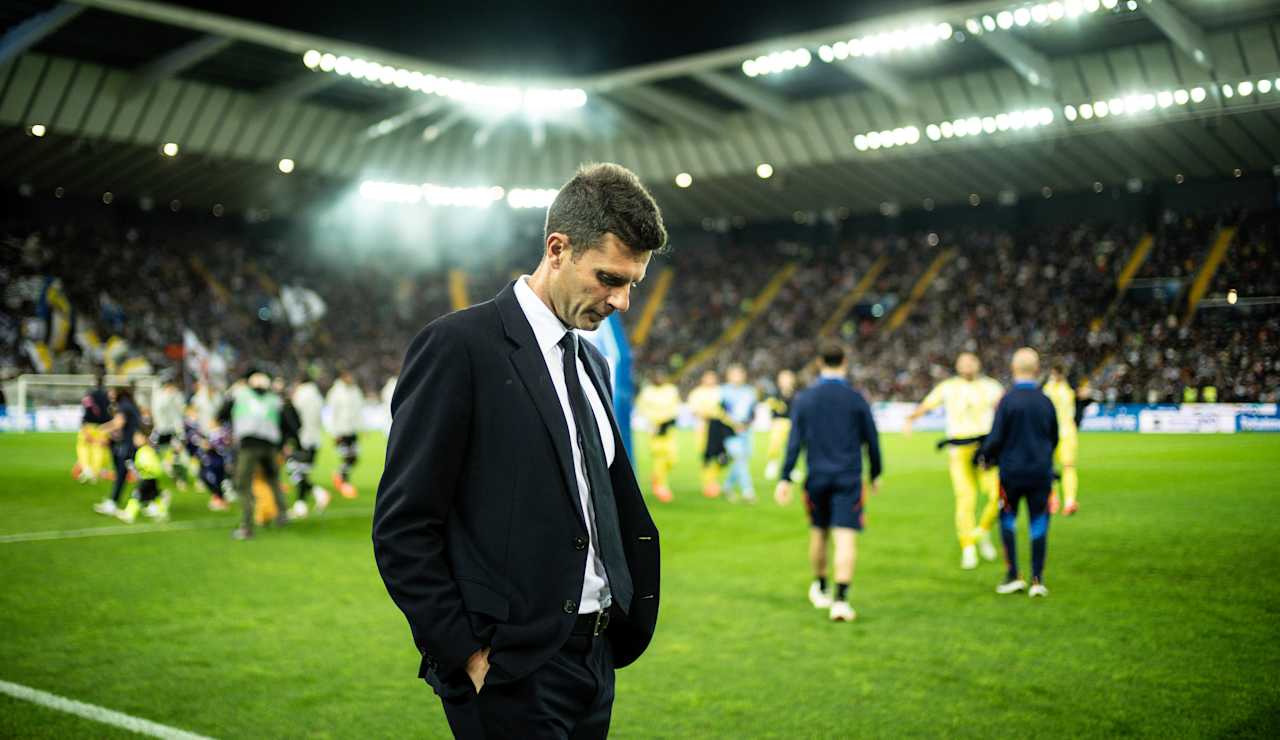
(831, 354)
(607, 199)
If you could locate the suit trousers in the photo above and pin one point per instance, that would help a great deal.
(569, 696)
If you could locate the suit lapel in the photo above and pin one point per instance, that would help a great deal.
(531, 367)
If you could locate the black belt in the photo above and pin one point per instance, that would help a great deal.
(591, 624)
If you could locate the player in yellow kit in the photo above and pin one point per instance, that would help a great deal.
(659, 405)
(779, 405)
(713, 430)
(1059, 390)
(970, 400)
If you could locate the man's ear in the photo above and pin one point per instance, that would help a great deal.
(557, 248)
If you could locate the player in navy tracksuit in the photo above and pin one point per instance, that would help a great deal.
(832, 423)
(1021, 442)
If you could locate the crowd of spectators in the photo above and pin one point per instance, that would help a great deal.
(1052, 287)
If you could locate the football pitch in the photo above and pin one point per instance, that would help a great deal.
(1163, 618)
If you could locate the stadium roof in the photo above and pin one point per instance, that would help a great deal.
(979, 101)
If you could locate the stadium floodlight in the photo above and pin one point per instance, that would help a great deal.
(1110, 4)
(1228, 91)
(684, 180)
(1073, 8)
(764, 171)
(1101, 109)
(1086, 111)
(1069, 112)
(1004, 19)
(1039, 14)
(38, 130)
(933, 131)
(1056, 11)
(860, 142)
(1198, 94)
(778, 61)
(170, 149)
(973, 26)
(1245, 88)
(988, 23)
(1164, 98)
(1091, 6)
(527, 198)
(1264, 86)
(535, 101)
(285, 165)
(1022, 16)
(473, 197)
(826, 53)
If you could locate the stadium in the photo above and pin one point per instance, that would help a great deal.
(252, 256)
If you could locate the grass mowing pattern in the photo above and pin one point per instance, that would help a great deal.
(1163, 618)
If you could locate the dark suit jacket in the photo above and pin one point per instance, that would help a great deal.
(478, 529)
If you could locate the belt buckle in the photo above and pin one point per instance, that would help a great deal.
(602, 621)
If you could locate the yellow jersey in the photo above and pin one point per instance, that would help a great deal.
(1063, 397)
(970, 404)
(705, 402)
(658, 404)
(147, 463)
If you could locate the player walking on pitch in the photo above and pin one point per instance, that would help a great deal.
(970, 400)
(831, 423)
(345, 401)
(1021, 442)
(659, 404)
(1063, 396)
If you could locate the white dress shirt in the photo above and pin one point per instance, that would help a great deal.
(548, 331)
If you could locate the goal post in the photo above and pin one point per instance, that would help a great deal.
(37, 392)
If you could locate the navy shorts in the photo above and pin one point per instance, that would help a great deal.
(834, 501)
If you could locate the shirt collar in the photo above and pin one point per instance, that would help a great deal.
(1026, 384)
(548, 330)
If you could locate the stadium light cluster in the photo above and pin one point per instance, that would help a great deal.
(902, 39)
(1124, 105)
(958, 128)
(1139, 103)
(1039, 14)
(440, 195)
(531, 197)
(434, 195)
(533, 101)
(778, 61)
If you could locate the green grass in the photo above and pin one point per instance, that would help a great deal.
(1164, 616)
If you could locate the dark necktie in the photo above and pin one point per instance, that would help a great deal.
(608, 532)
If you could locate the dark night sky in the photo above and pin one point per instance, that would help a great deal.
(553, 36)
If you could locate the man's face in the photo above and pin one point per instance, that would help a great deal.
(587, 286)
(709, 379)
(736, 376)
(786, 381)
(967, 366)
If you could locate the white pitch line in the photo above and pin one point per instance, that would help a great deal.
(75, 534)
(96, 713)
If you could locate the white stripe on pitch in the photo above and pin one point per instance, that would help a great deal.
(75, 534)
(96, 713)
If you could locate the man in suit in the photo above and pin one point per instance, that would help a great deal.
(509, 527)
